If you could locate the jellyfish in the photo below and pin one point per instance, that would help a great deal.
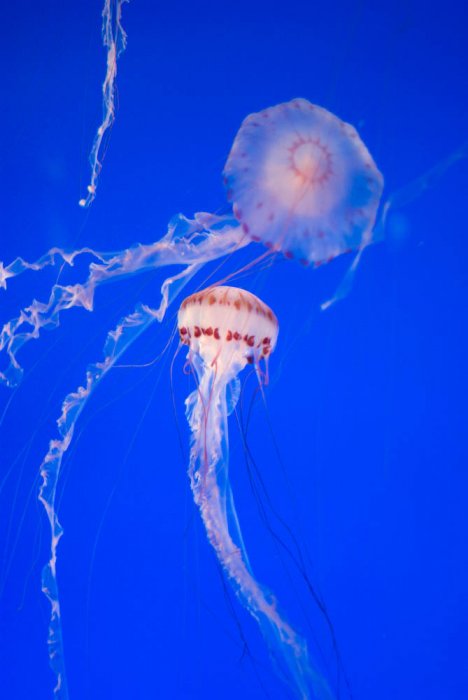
(224, 329)
(303, 184)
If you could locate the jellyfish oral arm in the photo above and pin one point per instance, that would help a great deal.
(205, 237)
(209, 478)
(117, 342)
(188, 242)
(115, 41)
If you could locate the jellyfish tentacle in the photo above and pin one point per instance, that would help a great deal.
(117, 342)
(347, 281)
(187, 242)
(209, 479)
(396, 200)
(406, 194)
(115, 41)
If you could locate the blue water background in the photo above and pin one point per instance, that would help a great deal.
(367, 402)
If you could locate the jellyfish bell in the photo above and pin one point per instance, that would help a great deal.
(302, 182)
(227, 328)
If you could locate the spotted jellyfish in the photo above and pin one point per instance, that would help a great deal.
(224, 329)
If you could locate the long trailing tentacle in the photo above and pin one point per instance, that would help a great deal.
(187, 242)
(117, 342)
(209, 478)
(115, 41)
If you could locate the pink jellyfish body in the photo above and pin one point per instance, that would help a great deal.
(225, 329)
(302, 182)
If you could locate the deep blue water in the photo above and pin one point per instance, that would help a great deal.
(367, 401)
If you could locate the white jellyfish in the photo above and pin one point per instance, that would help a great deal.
(225, 329)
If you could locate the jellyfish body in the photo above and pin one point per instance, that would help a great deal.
(302, 182)
(225, 329)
